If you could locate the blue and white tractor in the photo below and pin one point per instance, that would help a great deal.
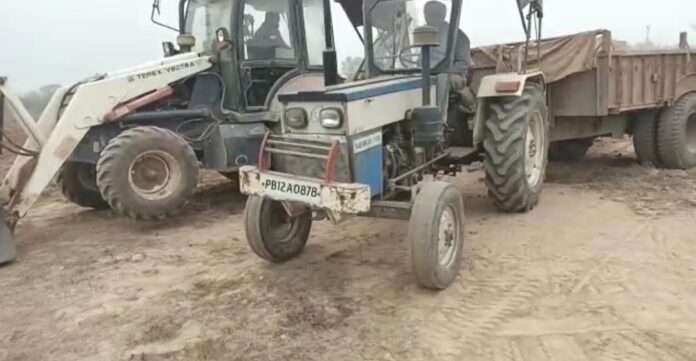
(383, 144)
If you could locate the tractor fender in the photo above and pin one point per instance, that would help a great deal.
(497, 86)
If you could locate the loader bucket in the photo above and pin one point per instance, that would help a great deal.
(8, 250)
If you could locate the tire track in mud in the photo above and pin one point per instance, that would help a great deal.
(472, 308)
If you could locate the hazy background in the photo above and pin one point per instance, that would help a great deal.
(60, 41)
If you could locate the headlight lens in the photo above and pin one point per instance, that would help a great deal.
(331, 118)
(296, 118)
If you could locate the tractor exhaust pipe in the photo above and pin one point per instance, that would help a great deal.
(330, 61)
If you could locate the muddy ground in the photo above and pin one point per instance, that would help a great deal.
(604, 269)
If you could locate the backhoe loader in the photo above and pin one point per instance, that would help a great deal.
(133, 140)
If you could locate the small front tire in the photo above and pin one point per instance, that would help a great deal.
(271, 234)
(436, 233)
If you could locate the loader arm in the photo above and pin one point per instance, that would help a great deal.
(99, 100)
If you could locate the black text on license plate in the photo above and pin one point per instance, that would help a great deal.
(291, 188)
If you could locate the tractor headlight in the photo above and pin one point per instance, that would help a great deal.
(331, 118)
(296, 118)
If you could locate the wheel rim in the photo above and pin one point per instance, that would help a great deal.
(534, 149)
(154, 175)
(279, 225)
(691, 134)
(447, 236)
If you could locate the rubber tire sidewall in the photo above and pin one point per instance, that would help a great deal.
(256, 213)
(672, 137)
(645, 126)
(572, 150)
(74, 189)
(115, 162)
(530, 194)
(424, 224)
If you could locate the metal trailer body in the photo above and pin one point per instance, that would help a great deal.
(596, 85)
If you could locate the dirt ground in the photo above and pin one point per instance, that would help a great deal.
(604, 269)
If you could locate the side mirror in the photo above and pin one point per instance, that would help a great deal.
(169, 49)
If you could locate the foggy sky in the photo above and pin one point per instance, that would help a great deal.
(61, 41)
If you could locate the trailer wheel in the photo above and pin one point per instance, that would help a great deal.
(271, 233)
(645, 139)
(436, 233)
(572, 150)
(78, 183)
(516, 149)
(676, 134)
(147, 173)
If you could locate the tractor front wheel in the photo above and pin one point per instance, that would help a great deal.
(78, 183)
(272, 233)
(516, 148)
(436, 233)
(147, 173)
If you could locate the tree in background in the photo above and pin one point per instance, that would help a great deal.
(350, 65)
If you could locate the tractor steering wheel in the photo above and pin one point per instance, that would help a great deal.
(410, 62)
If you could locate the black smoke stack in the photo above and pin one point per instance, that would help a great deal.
(330, 61)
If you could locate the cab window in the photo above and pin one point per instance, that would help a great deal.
(267, 30)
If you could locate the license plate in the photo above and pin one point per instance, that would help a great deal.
(285, 188)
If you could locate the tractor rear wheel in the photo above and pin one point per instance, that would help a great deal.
(436, 233)
(272, 234)
(78, 183)
(516, 149)
(676, 134)
(572, 150)
(147, 173)
(645, 139)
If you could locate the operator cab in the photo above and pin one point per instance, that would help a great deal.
(268, 45)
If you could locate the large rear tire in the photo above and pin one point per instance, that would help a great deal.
(271, 233)
(516, 149)
(78, 183)
(676, 134)
(645, 139)
(147, 173)
(436, 233)
(572, 150)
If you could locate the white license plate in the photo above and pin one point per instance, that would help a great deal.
(290, 189)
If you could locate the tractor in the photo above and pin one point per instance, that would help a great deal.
(385, 143)
(134, 140)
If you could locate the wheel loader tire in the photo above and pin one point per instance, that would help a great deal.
(572, 150)
(676, 134)
(147, 173)
(271, 235)
(645, 139)
(78, 183)
(516, 149)
(436, 234)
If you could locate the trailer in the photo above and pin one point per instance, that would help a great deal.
(600, 87)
